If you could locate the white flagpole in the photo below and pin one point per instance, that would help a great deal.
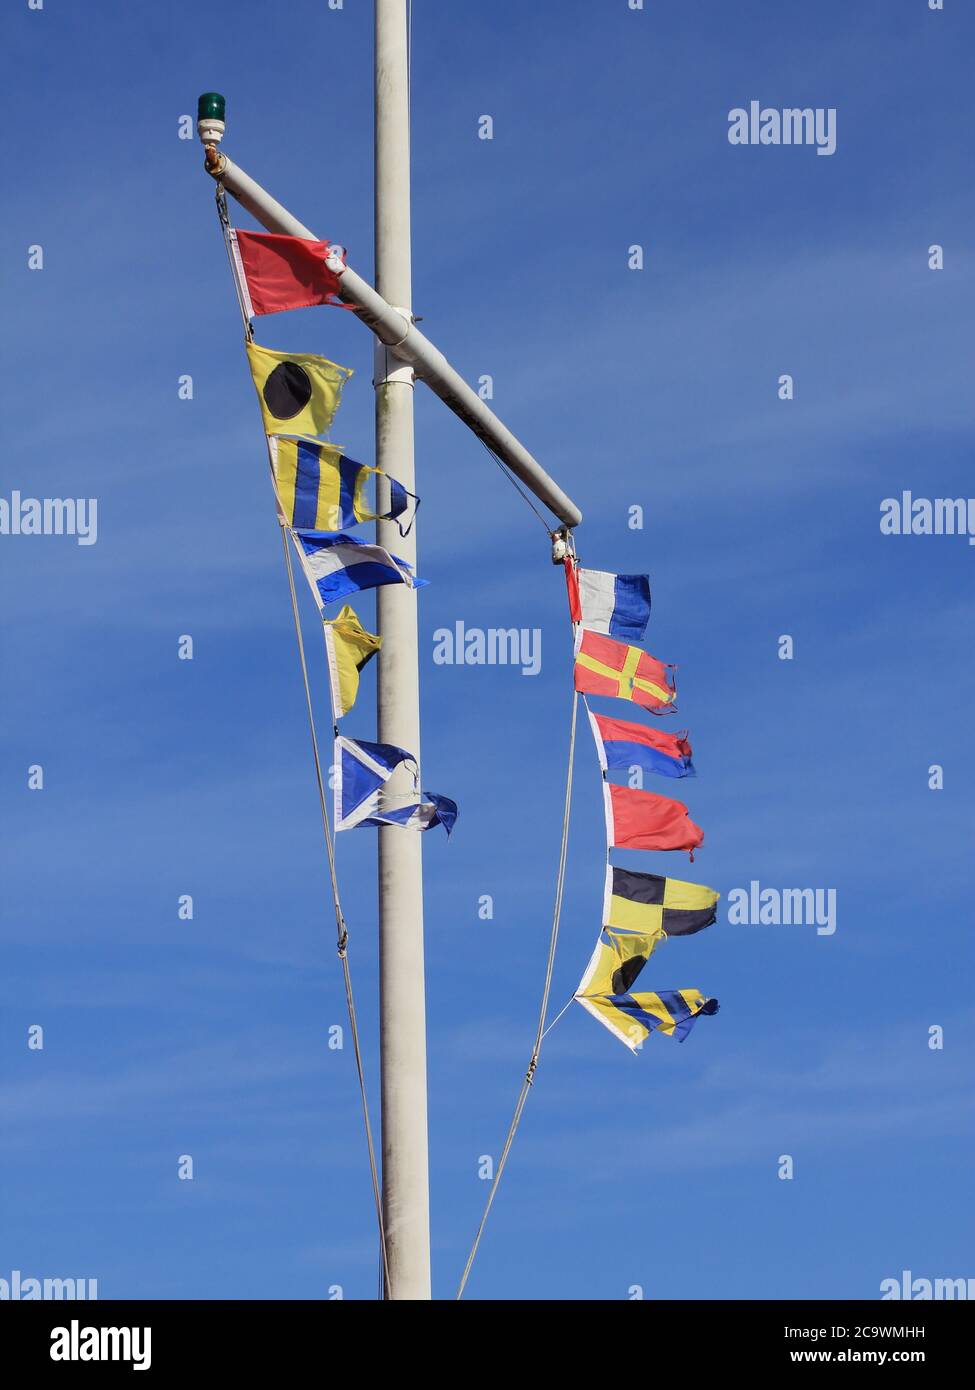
(406, 1198)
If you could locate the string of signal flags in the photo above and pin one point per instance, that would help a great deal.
(321, 494)
(609, 613)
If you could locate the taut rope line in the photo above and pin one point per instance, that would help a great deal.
(541, 1030)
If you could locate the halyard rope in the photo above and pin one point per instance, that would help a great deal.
(341, 928)
(541, 1030)
(516, 485)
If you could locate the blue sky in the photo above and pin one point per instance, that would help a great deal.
(655, 388)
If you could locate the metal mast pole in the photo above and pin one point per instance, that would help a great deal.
(406, 1198)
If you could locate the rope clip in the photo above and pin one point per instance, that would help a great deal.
(562, 545)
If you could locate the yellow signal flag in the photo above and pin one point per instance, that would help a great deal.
(299, 393)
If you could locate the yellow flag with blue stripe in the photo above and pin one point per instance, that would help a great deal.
(320, 489)
(633, 1017)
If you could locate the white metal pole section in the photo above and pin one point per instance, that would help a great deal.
(402, 1008)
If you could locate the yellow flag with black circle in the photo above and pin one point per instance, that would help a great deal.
(299, 392)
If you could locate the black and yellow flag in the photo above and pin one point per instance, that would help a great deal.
(299, 392)
(650, 904)
(639, 912)
(604, 990)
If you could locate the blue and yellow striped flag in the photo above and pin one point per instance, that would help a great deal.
(319, 489)
(633, 1017)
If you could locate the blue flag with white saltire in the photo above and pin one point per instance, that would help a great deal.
(361, 772)
(337, 565)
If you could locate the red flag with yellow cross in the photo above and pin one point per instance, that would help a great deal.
(606, 667)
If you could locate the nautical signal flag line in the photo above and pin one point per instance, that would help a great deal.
(320, 493)
(609, 613)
